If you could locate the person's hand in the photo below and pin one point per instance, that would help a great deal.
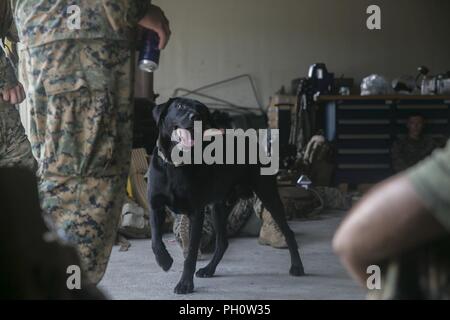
(156, 20)
(14, 95)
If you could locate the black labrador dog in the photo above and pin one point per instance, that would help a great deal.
(189, 188)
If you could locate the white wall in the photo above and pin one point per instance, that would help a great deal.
(276, 40)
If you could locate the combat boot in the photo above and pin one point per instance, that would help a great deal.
(270, 233)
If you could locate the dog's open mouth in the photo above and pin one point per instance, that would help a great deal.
(185, 137)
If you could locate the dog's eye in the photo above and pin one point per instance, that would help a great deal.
(180, 107)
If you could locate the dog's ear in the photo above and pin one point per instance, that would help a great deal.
(160, 111)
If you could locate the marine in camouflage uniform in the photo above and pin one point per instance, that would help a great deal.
(80, 93)
(15, 149)
(408, 151)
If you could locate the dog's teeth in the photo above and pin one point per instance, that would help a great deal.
(213, 132)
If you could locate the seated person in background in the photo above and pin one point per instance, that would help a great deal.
(401, 218)
(408, 151)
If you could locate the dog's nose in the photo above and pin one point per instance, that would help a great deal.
(194, 117)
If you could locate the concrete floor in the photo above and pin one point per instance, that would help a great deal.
(248, 271)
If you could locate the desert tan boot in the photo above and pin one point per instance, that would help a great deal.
(270, 234)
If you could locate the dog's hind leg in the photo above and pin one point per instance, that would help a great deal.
(186, 284)
(266, 190)
(219, 218)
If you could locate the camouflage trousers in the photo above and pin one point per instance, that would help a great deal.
(15, 149)
(80, 96)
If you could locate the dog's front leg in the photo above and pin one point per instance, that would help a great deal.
(186, 284)
(163, 257)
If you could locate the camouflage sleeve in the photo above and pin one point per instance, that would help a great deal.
(125, 11)
(398, 163)
(138, 11)
(7, 76)
(431, 179)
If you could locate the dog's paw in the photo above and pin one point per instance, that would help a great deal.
(297, 271)
(164, 259)
(184, 287)
(205, 273)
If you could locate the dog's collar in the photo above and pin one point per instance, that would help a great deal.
(164, 158)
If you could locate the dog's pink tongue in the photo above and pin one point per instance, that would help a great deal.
(185, 138)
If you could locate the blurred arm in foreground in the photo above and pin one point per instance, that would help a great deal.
(402, 214)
